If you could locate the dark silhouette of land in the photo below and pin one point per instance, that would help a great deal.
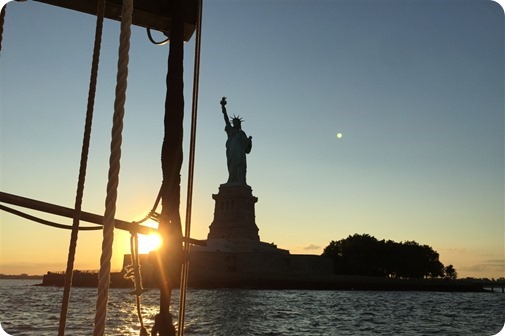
(260, 281)
(21, 276)
(358, 262)
(337, 282)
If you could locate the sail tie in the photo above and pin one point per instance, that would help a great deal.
(133, 273)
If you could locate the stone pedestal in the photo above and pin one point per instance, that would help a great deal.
(234, 214)
(234, 256)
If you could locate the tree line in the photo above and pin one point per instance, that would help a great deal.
(365, 255)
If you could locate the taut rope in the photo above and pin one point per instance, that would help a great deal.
(191, 168)
(83, 166)
(46, 222)
(114, 166)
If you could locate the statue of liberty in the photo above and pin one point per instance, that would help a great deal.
(237, 146)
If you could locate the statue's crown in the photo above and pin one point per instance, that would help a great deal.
(237, 118)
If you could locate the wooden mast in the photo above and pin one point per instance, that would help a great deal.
(170, 257)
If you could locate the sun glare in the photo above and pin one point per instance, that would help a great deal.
(148, 243)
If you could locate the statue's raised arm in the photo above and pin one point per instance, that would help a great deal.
(223, 108)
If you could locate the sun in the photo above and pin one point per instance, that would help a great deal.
(150, 242)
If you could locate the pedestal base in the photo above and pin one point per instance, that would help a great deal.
(234, 214)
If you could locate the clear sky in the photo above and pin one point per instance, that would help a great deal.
(415, 87)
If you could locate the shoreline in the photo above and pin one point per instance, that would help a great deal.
(20, 277)
(251, 281)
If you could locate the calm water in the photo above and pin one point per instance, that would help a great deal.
(30, 310)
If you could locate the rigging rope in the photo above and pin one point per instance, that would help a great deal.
(114, 166)
(191, 168)
(83, 165)
(152, 214)
(165, 41)
(46, 222)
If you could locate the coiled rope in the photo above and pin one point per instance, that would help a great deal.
(191, 169)
(133, 273)
(83, 166)
(114, 166)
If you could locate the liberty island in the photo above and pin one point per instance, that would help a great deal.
(234, 256)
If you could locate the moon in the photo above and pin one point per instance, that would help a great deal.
(339, 135)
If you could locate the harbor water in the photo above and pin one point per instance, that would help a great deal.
(34, 310)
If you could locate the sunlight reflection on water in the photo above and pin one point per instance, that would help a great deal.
(32, 310)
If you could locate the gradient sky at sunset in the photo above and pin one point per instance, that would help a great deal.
(416, 88)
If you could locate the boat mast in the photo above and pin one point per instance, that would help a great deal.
(170, 255)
